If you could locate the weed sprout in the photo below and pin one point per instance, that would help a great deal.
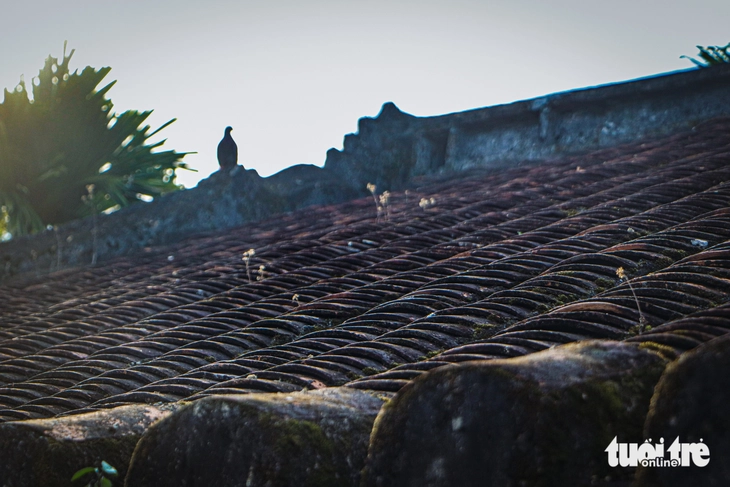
(88, 200)
(426, 202)
(246, 259)
(101, 475)
(642, 320)
(383, 207)
(372, 188)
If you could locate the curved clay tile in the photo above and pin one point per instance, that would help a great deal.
(500, 264)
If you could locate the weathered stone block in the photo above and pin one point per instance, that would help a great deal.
(691, 403)
(315, 438)
(47, 452)
(540, 420)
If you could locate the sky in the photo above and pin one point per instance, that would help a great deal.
(293, 77)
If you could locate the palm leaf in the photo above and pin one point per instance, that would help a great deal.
(56, 145)
(711, 55)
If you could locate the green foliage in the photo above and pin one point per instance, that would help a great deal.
(66, 139)
(711, 55)
(101, 475)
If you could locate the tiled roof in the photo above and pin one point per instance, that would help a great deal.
(476, 265)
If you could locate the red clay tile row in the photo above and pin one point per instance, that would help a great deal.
(173, 383)
(497, 249)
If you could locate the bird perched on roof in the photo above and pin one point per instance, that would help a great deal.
(227, 151)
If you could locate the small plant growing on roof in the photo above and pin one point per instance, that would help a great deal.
(642, 320)
(711, 55)
(88, 200)
(384, 204)
(247, 259)
(261, 275)
(381, 202)
(97, 476)
(426, 203)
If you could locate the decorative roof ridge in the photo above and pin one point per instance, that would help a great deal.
(394, 150)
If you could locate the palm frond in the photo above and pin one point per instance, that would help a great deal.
(711, 56)
(67, 137)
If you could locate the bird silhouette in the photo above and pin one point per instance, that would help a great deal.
(227, 151)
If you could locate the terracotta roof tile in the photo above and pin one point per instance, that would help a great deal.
(502, 264)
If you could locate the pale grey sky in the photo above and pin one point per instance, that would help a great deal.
(293, 77)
